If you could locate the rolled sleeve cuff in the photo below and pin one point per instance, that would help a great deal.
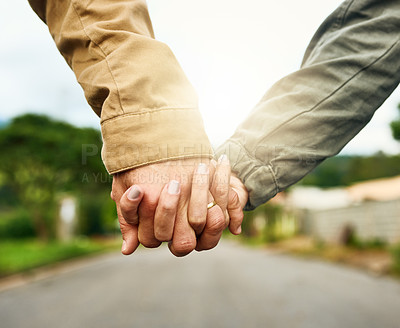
(142, 138)
(258, 178)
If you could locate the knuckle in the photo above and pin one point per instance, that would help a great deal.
(221, 190)
(129, 215)
(163, 232)
(184, 246)
(150, 243)
(126, 206)
(131, 219)
(167, 209)
(147, 239)
(216, 224)
(198, 218)
(233, 199)
(124, 227)
(162, 236)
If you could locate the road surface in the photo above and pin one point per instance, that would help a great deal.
(231, 286)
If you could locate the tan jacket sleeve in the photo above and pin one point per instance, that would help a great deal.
(148, 108)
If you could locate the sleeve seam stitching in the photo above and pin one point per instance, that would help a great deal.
(148, 111)
(186, 156)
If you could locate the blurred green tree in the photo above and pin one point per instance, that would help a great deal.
(346, 170)
(42, 157)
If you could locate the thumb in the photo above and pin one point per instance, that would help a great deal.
(128, 218)
(235, 212)
(129, 204)
(130, 238)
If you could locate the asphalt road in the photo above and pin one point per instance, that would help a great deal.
(231, 286)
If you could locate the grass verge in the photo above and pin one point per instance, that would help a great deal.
(23, 255)
(377, 259)
(374, 260)
(396, 260)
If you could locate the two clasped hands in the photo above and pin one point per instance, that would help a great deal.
(187, 203)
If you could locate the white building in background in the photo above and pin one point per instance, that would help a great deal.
(371, 209)
(313, 198)
(67, 219)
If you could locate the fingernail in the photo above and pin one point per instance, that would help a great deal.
(223, 159)
(134, 193)
(214, 163)
(202, 169)
(173, 187)
(123, 248)
(239, 230)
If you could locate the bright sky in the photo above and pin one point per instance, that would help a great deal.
(232, 52)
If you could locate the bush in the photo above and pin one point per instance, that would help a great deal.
(268, 223)
(97, 214)
(16, 224)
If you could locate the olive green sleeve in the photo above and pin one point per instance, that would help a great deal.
(351, 66)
